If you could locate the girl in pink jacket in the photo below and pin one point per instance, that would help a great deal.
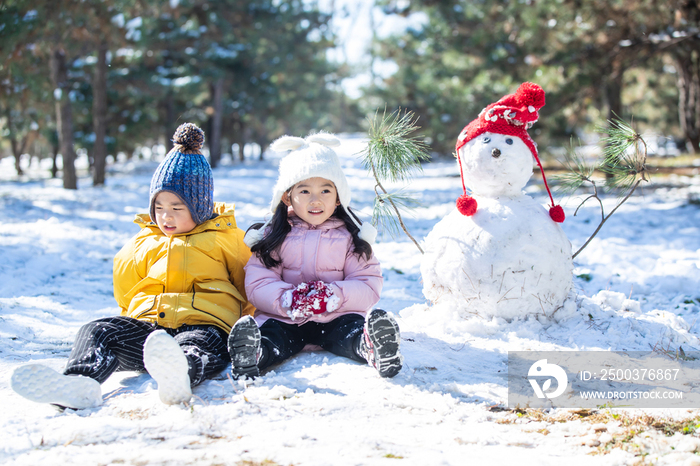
(312, 276)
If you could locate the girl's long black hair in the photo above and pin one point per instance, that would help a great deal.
(267, 248)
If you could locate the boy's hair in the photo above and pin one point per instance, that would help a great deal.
(186, 173)
(268, 247)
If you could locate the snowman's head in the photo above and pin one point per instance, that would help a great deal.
(495, 165)
(495, 152)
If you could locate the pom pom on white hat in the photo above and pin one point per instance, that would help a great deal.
(253, 237)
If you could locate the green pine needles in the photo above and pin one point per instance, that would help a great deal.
(623, 163)
(392, 154)
(625, 156)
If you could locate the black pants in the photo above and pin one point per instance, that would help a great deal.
(340, 336)
(112, 344)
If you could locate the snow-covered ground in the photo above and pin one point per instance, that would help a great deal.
(637, 288)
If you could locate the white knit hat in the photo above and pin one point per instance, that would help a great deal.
(310, 158)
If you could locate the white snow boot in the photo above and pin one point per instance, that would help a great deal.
(167, 364)
(380, 343)
(44, 385)
(244, 348)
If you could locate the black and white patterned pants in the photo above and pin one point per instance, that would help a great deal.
(104, 346)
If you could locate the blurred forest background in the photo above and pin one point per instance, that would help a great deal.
(107, 79)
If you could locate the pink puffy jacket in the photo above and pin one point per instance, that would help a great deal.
(313, 253)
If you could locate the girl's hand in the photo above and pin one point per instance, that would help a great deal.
(312, 298)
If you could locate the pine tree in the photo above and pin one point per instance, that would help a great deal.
(393, 155)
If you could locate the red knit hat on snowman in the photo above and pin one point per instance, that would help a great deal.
(512, 115)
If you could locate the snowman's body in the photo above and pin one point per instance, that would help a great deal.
(509, 259)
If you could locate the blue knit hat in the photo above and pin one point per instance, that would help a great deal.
(186, 172)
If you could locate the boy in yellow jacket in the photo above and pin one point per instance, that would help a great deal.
(180, 286)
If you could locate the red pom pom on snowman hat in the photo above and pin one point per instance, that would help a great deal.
(512, 115)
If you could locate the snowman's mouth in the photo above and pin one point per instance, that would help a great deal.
(495, 152)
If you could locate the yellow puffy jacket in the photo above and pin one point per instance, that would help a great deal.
(193, 278)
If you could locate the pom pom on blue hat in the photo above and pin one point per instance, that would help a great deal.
(186, 173)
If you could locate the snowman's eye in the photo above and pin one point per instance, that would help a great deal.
(487, 140)
(509, 141)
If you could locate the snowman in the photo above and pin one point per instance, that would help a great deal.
(499, 253)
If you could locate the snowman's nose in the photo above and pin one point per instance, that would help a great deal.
(495, 152)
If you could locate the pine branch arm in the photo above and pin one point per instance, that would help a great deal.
(605, 219)
(403, 226)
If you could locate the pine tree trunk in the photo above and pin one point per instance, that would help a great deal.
(262, 142)
(16, 151)
(217, 117)
(18, 167)
(239, 137)
(170, 125)
(688, 66)
(613, 96)
(54, 157)
(64, 117)
(99, 115)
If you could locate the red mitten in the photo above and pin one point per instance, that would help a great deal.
(318, 297)
(312, 298)
(299, 294)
